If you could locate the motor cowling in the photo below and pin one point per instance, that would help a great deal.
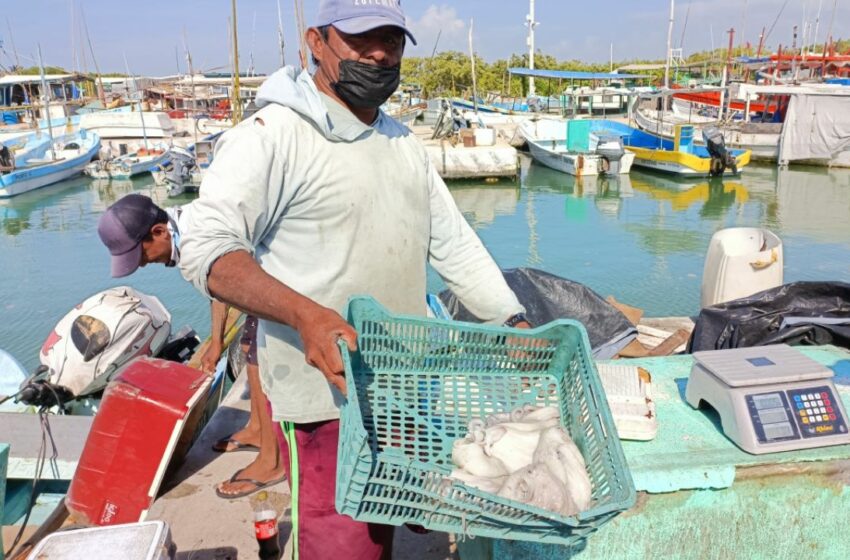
(721, 158)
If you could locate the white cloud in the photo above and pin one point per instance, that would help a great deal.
(439, 21)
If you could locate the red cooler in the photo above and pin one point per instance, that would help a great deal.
(148, 414)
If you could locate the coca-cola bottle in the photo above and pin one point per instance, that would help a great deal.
(265, 527)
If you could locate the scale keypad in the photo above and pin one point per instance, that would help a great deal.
(817, 412)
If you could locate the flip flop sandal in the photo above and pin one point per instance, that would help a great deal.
(257, 486)
(221, 446)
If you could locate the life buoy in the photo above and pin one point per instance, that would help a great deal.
(604, 165)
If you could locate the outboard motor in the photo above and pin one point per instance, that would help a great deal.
(180, 172)
(721, 158)
(96, 338)
(610, 147)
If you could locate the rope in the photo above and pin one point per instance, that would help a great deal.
(289, 435)
(39, 468)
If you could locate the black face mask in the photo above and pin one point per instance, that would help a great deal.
(364, 85)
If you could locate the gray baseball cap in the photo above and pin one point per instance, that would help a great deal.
(359, 16)
(123, 227)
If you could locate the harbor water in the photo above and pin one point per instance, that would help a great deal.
(641, 239)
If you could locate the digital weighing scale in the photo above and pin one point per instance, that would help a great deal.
(769, 398)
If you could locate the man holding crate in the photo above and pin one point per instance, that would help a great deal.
(317, 197)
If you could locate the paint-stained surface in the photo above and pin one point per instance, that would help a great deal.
(700, 497)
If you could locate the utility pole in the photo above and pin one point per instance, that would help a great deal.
(669, 45)
(529, 21)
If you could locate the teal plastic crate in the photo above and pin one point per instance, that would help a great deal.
(413, 386)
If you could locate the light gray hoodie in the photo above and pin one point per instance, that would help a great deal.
(332, 208)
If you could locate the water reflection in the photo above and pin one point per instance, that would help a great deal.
(482, 204)
(643, 237)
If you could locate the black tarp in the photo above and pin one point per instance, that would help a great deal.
(547, 297)
(800, 313)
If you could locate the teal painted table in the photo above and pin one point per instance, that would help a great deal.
(700, 497)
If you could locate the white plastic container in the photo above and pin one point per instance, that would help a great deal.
(485, 137)
(741, 262)
(148, 540)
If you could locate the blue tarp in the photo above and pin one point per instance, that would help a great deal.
(569, 75)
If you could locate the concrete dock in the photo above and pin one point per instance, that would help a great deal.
(206, 527)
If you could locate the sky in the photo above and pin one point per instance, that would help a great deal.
(153, 36)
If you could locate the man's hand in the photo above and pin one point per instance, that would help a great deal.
(211, 356)
(320, 328)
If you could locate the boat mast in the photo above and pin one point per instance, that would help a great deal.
(46, 93)
(280, 35)
(472, 60)
(529, 21)
(669, 45)
(236, 102)
(141, 108)
(100, 91)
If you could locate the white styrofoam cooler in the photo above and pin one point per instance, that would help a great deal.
(741, 262)
(148, 540)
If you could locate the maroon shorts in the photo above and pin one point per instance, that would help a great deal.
(249, 339)
(321, 532)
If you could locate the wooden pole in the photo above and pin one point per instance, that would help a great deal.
(236, 102)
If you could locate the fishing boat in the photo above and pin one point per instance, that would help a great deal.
(802, 124)
(680, 156)
(42, 162)
(100, 339)
(185, 168)
(123, 167)
(571, 147)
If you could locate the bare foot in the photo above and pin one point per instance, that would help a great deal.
(250, 479)
(244, 438)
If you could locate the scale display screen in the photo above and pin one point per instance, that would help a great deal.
(772, 417)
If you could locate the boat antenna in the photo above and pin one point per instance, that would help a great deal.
(669, 45)
(251, 51)
(141, 108)
(472, 61)
(100, 91)
(191, 81)
(778, 15)
(685, 26)
(27, 87)
(236, 102)
(814, 39)
(529, 21)
(832, 19)
(46, 93)
(281, 42)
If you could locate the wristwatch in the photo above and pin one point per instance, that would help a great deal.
(516, 319)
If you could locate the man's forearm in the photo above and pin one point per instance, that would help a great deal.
(237, 279)
(218, 318)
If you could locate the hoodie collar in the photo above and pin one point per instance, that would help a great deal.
(289, 88)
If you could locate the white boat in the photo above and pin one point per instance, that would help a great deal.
(600, 99)
(128, 124)
(813, 132)
(571, 147)
(41, 163)
(126, 166)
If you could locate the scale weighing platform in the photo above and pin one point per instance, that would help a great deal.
(769, 398)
